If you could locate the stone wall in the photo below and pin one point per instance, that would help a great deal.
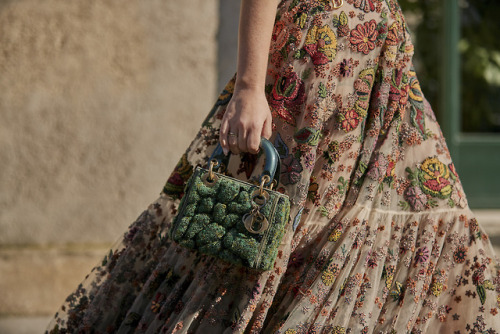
(98, 99)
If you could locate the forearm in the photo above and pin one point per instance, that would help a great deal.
(255, 30)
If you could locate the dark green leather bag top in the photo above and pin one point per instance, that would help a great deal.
(231, 219)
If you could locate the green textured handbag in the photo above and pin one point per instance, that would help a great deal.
(233, 220)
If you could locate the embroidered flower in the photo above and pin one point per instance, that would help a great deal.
(436, 288)
(346, 67)
(363, 37)
(478, 275)
(181, 173)
(363, 87)
(321, 44)
(287, 96)
(296, 260)
(371, 260)
(338, 330)
(332, 155)
(422, 255)
(392, 35)
(279, 37)
(416, 198)
(378, 167)
(290, 170)
(335, 235)
(366, 5)
(434, 177)
(327, 277)
(460, 254)
(349, 120)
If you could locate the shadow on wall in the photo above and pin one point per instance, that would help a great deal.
(227, 38)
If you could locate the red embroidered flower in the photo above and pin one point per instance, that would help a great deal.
(392, 35)
(350, 120)
(279, 37)
(366, 5)
(364, 36)
(287, 96)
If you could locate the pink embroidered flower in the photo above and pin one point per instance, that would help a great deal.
(346, 67)
(422, 255)
(416, 198)
(364, 36)
(378, 168)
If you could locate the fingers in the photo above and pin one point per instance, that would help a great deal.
(267, 129)
(223, 136)
(253, 141)
(232, 139)
(242, 138)
(242, 127)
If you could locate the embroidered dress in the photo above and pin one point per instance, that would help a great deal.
(380, 238)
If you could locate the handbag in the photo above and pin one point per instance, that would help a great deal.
(233, 220)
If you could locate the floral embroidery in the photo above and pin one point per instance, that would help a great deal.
(290, 170)
(434, 178)
(366, 5)
(364, 36)
(280, 36)
(175, 183)
(287, 96)
(349, 120)
(460, 254)
(321, 44)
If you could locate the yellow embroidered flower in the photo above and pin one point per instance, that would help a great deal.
(434, 178)
(338, 330)
(327, 277)
(436, 288)
(321, 44)
(335, 235)
(488, 285)
(290, 331)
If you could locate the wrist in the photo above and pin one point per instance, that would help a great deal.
(249, 84)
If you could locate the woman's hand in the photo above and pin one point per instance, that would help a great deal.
(246, 120)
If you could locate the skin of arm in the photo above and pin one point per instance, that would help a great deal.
(248, 114)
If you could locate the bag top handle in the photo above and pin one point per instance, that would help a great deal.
(272, 162)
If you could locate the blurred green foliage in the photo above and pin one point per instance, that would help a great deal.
(480, 57)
